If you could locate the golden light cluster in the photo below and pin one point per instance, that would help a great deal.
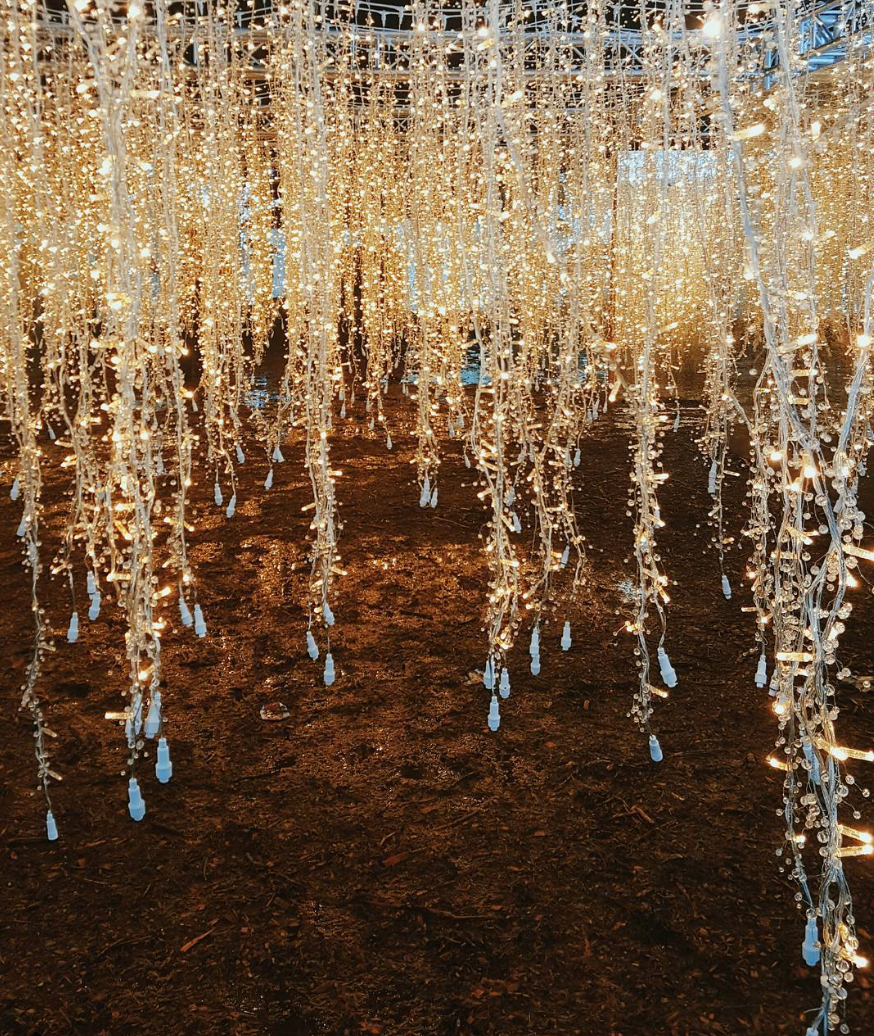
(582, 203)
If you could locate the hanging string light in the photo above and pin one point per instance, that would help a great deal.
(523, 215)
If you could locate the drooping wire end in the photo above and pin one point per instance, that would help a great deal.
(809, 949)
(669, 676)
(135, 804)
(163, 767)
(312, 646)
(494, 714)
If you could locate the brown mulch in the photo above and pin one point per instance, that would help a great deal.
(379, 862)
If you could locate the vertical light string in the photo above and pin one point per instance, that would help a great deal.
(519, 212)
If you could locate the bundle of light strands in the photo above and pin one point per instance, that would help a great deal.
(581, 197)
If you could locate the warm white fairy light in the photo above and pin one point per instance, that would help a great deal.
(583, 217)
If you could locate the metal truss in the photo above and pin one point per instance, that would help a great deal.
(382, 35)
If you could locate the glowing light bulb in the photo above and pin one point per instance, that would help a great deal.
(713, 26)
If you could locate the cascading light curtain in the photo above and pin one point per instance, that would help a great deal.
(580, 198)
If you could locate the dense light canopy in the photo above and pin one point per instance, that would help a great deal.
(566, 200)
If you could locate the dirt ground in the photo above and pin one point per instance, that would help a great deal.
(380, 862)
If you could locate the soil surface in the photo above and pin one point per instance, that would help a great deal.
(379, 862)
